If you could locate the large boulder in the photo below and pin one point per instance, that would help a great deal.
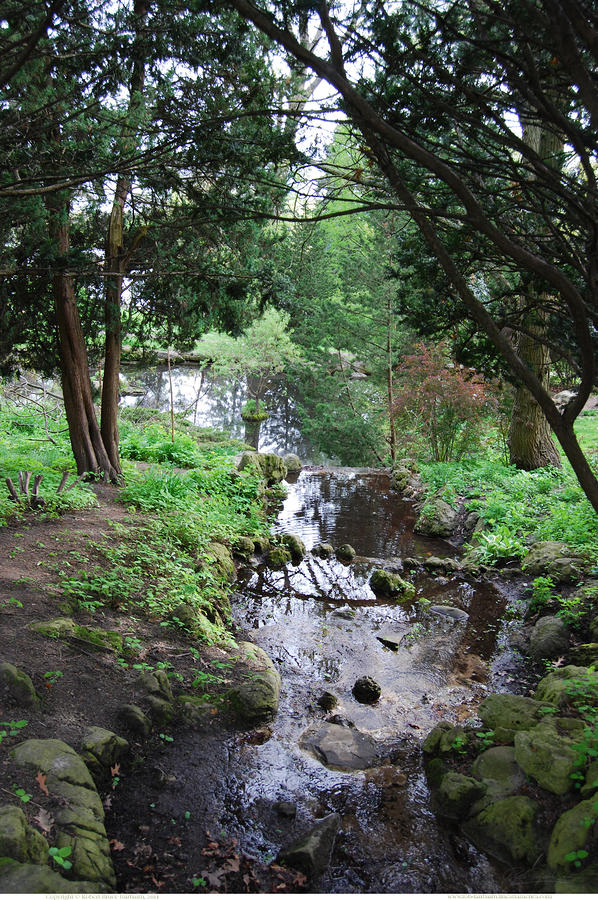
(270, 466)
(80, 815)
(506, 714)
(555, 559)
(311, 854)
(547, 757)
(340, 747)
(549, 638)
(16, 686)
(507, 829)
(256, 698)
(437, 518)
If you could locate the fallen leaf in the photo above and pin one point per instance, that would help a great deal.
(115, 769)
(174, 840)
(44, 820)
(41, 780)
(157, 883)
(116, 845)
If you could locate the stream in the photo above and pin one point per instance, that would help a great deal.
(321, 623)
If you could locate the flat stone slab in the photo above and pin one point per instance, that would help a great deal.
(340, 747)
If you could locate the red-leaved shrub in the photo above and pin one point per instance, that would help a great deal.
(439, 405)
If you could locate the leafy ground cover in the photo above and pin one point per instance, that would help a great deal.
(520, 507)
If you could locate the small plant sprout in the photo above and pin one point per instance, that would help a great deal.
(52, 677)
(11, 729)
(166, 738)
(576, 857)
(59, 855)
(21, 793)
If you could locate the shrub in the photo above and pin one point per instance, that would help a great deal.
(439, 405)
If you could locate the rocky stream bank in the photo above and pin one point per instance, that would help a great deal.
(122, 778)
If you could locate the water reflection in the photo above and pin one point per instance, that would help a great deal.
(217, 402)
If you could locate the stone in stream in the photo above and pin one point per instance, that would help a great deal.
(345, 553)
(388, 584)
(292, 462)
(311, 854)
(450, 612)
(327, 701)
(323, 551)
(392, 641)
(340, 747)
(366, 690)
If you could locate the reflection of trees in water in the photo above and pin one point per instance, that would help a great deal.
(217, 402)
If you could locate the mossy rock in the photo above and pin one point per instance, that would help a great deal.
(155, 683)
(101, 749)
(17, 686)
(506, 714)
(270, 466)
(279, 557)
(436, 519)
(399, 478)
(28, 878)
(67, 630)
(295, 545)
(554, 559)
(584, 654)
(549, 638)
(221, 559)
(346, 553)
(388, 584)
(261, 544)
(323, 550)
(508, 830)
(80, 816)
(197, 711)
(547, 757)
(257, 695)
(456, 795)
(134, 719)
(573, 832)
(243, 546)
(561, 687)
(446, 739)
(18, 839)
(292, 462)
(498, 769)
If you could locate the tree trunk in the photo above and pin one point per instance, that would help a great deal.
(86, 440)
(530, 437)
(115, 260)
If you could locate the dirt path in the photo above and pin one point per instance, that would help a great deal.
(162, 808)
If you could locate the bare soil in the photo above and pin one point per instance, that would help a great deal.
(164, 815)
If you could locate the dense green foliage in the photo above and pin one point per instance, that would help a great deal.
(520, 507)
(162, 560)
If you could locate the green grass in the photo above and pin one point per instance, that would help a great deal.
(522, 507)
(161, 561)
